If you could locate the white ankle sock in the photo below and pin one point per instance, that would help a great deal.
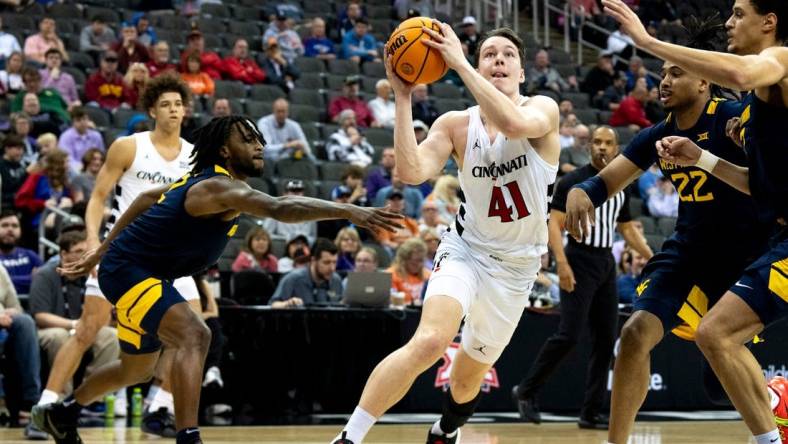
(162, 398)
(48, 397)
(437, 430)
(152, 393)
(768, 438)
(358, 425)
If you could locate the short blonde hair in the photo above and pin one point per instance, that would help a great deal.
(46, 139)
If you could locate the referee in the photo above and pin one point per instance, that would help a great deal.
(587, 273)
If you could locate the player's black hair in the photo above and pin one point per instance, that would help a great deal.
(506, 33)
(323, 245)
(778, 8)
(209, 138)
(708, 34)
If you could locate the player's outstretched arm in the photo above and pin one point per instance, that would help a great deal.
(683, 151)
(593, 192)
(222, 195)
(743, 73)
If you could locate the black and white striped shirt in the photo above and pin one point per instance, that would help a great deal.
(615, 210)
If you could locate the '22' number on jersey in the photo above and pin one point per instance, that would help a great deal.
(498, 205)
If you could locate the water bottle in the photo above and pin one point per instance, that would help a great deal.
(109, 409)
(136, 403)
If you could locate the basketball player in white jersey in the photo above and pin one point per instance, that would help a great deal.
(134, 164)
(507, 150)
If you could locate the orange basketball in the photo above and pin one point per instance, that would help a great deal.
(412, 60)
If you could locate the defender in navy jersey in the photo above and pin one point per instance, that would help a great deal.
(172, 232)
(757, 34)
(694, 268)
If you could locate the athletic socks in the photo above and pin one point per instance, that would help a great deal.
(436, 430)
(162, 398)
(189, 435)
(47, 397)
(768, 438)
(358, 425)
(456, 415)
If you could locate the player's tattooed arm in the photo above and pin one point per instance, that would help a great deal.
(683, 151)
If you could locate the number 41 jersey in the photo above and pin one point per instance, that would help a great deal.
(711, 213)
(506, 190)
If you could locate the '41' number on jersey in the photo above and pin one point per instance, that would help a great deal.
(498, 205)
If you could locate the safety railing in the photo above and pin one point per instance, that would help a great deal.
(43, 242)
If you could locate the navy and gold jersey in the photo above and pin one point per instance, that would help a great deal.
(763, 132)
(170, 243)
(711, 213)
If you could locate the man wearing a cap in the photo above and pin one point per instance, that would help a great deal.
(210, 62)
(289, 41)
(422, 8)
(277, 69)
(350, 100)
(469, 36)
(105, 87)
(412, 195)
(293, 187)
(359, 45)
(395, 201)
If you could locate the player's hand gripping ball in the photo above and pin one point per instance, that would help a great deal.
(413, 61)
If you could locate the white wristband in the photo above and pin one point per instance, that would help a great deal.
(707, 161)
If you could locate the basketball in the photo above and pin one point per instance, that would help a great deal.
(412, 60)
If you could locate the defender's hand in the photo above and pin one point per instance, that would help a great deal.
(83, 266)
(580, 214)
(375, 219)
(733, 130)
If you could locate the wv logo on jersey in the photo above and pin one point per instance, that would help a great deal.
(642, 287)
(703, 136)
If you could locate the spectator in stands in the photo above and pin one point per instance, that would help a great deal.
(541, 76)
(293, 187)
(317, 284)
(284, 136)
(105, 87)
(96, 37)
(360, 46)
(349, 243)
(20, 263)
(317, 44)
(330, 228)
(430, 218)
(11, 76)
(56, 304)
(347, 144)
(353, 180)
(422, 106)
(412, 195)
(278, 71)
(408, 273)
(579, 154)
(631, 111)
(8, 45)
(395, 200)
(46, 143)
(565, 108)
(431, 239)
(222, 108)
(366, 261)
(619, 44)
(200, 83)
(655, 110)
(20, 348)
(160, 62)
(446, 196)
(296, 254)
(239, 66)
(257, 253)
(37, 45)
(55, 78)
(135, 80)
(210, 61)
(648, 181)
(382, 106)
(352, 13)
(613, 95)
(21, 125)
(48, 188)
(665, 201)
(84, 182)
(420, 130)
(637, 71)
(289, 41)
(49, 100)
(350, 100)
(145, 33)
(380, 176)
(469, 35)
(79, 138)
(12, 171)
(43, 121)
(413, 8)
(599, 78)
(129, 49)
(620, 245)
(627, 283)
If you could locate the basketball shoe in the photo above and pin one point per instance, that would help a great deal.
(342, 439)
(778, 391)
(433, 438)
(59, 421)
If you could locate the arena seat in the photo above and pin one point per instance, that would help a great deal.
(265, 93)
(298, 169)
(311, 97)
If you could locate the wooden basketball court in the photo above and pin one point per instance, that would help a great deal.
(679, 432)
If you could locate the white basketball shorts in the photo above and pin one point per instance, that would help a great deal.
(185, 286)
(493, 293)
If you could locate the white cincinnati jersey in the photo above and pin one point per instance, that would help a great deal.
(148, 170)
(506, 191)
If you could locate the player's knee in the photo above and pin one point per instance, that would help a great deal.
(634, 337)
(429, 346)
(86, 332)
(708, 337)
(197, 335)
